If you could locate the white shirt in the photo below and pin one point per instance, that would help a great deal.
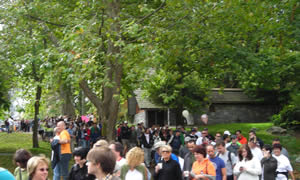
(134, 175)
(181, 162)
(253, 169)
(121, 162)
(198, 133)
(199, 140)
(283, 165)
(257, 153)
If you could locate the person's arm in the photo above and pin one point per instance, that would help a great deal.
(224, 176)
(292, 175)
(63, 140)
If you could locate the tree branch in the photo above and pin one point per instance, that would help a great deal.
(48, 22)
(155, 11)
(90, 94)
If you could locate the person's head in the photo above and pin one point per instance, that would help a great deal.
(117, 149)
(226, 138)
(210, 150)
(132, 128)
(147, 131)
(21, 158)
(238, 133)
(252, 134)
(245, 152)
(267, 149)
(135, 157)
(234, 139)
(177, 133)
(277, 149)
(204, 133)
(61, 126)
(158, 145)
(218, 136)
(221, 147)
(252, 143)
(276, 141)
(191, 145)
(56, 131)
(101, 161)
(166, 151)
(100, 143)
(193, 131)
(125, 123)
(199, 152)
(80, 154)
(38, 167)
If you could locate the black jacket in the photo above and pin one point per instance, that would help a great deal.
(55, 146)
(77, 173)
(170, 171)
(269, 167)
(144, 141)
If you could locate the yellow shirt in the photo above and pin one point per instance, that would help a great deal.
(65, 148)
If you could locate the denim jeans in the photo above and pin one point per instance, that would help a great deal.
(147, 156)
(62, 167)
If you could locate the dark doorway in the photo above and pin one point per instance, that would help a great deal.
(157, 117)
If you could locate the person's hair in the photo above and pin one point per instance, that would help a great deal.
(101, 143)
(276, 139)
(135, 157)
(167, 147)
(103, 156)
(200, 149)
(252, 131)
(119, 148)
(81, 152)
(220, 143)
(22, 156)
(238, 131)
(225, 136)
(33, 163)
(268, 147)
(277, 146)
(249, 153)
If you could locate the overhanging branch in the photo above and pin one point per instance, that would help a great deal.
(44, 21)
(152, 13)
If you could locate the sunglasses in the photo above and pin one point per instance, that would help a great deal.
(165, 151)
(44, 169)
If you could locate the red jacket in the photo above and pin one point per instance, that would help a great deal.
(243, 140)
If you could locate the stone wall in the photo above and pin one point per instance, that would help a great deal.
(234, 113)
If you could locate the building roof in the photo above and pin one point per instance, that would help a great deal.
(218, 96)
(144, 103)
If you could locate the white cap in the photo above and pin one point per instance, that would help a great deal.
(227, 132)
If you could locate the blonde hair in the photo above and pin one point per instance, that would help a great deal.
(135, 157)
(34, 162)
(101, 143)
(166, 147)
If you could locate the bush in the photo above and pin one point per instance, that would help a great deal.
(288, 117)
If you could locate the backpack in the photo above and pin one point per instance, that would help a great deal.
(229, 157)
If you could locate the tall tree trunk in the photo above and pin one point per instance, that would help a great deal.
(35, 141)
(67, 106)
(110, 100)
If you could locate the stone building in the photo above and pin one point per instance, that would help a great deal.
(230, 105)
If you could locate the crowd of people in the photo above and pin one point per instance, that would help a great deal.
(159, 153)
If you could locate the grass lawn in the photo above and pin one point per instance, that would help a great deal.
(11, 142)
